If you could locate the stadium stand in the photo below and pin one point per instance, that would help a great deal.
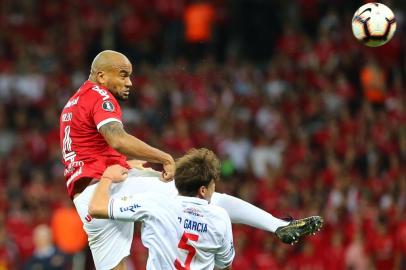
(306, 120)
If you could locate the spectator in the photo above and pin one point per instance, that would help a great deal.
(67, 230)
(373, 82)
(46, 255)
(8, 250)
(355, 254)
(316, 122)
(198, 20)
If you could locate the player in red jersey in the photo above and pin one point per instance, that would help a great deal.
(93, 138)
(91, 131)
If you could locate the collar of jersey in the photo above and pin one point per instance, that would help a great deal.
(88, 84)
(194, 200)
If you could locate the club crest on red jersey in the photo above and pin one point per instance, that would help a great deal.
(108, 106)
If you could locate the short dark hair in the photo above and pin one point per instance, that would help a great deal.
(197, 168)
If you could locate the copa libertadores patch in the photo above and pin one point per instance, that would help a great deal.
(108, 106)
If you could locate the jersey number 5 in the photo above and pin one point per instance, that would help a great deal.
(190, 249)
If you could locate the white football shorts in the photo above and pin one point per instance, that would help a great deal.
(110, 240)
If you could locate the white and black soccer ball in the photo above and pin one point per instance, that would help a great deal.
(373, 24)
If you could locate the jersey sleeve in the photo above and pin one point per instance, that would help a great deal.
(132, 208)
(106, 110)
(225, 255)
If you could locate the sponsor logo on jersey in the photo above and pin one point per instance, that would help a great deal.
(102, 92)
(193, 211)
(130, 208)
(72, 102)
(108, 106)
(73, 176)
(125, 198)
(66, 117)
(73, 166)
(195, 226)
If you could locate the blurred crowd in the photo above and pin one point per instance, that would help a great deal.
(305, 120)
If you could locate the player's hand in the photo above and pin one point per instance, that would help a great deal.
(115, 173)
(169, 170)
(136, 164)
(140, 165)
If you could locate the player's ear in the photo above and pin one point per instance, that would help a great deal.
(201, 193)
(101, 77)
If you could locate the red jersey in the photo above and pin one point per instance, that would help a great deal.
(85, 152)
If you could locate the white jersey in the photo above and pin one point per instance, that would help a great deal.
(110, 240)
(182, 233)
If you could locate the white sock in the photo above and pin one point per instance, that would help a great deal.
(246, 213)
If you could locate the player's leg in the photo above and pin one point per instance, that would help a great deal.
(291, 233)
(245, 213)
(109, 240)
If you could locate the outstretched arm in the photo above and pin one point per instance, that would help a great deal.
(120, 140)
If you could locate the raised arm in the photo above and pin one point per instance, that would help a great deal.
(99, 204)
(120, 140)
(134, 207)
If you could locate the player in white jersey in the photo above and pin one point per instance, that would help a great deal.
(110, 240)
(182, 232)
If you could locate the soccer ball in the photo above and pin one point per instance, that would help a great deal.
(373, 24)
